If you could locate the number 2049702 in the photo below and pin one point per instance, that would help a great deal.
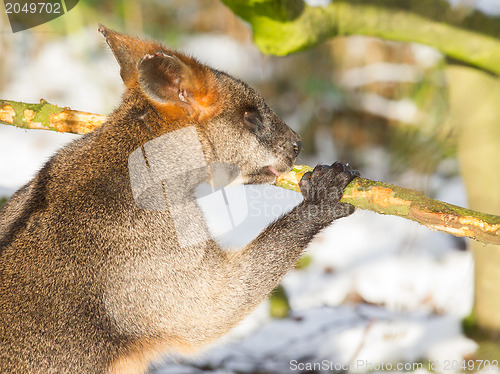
(33, 8)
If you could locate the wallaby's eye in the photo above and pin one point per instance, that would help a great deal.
(252, 120)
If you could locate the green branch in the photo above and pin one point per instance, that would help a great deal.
(385, 198)
(47, 116)
(362, 193)
(281, 27)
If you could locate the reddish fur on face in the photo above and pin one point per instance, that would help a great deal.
(204, 101)
(203, 94)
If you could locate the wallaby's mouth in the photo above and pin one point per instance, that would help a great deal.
(273, 170)
(267, 174)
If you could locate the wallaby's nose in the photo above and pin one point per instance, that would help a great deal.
(297, 146)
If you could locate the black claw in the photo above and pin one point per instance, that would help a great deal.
(338, 167)
(305, 183)
(326, 181)
(306, 176)
(350, 209)
(319, 170)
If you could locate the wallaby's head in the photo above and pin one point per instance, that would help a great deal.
(233, 122)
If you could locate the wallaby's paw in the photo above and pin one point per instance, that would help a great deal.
(323, 188)
(327, 182)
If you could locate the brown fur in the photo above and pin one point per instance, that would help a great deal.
(92, 283)
(139, 355)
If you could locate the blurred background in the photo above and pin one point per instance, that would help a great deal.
(372, 290)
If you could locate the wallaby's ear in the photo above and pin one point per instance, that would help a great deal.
(167, 77)
(128, 51)
(163, 77)
(178, 80)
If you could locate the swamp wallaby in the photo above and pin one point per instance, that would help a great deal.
(100, 272)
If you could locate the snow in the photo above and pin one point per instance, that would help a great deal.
(26, 152)
(318, 2)
(488, 7)
(403, 110)
(241, 60)
(379, 289)
(380, 71)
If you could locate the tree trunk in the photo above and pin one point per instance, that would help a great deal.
(475, 110)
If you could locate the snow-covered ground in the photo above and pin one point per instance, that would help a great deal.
(380, 290)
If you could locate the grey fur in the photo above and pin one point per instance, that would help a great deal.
(91, 283)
